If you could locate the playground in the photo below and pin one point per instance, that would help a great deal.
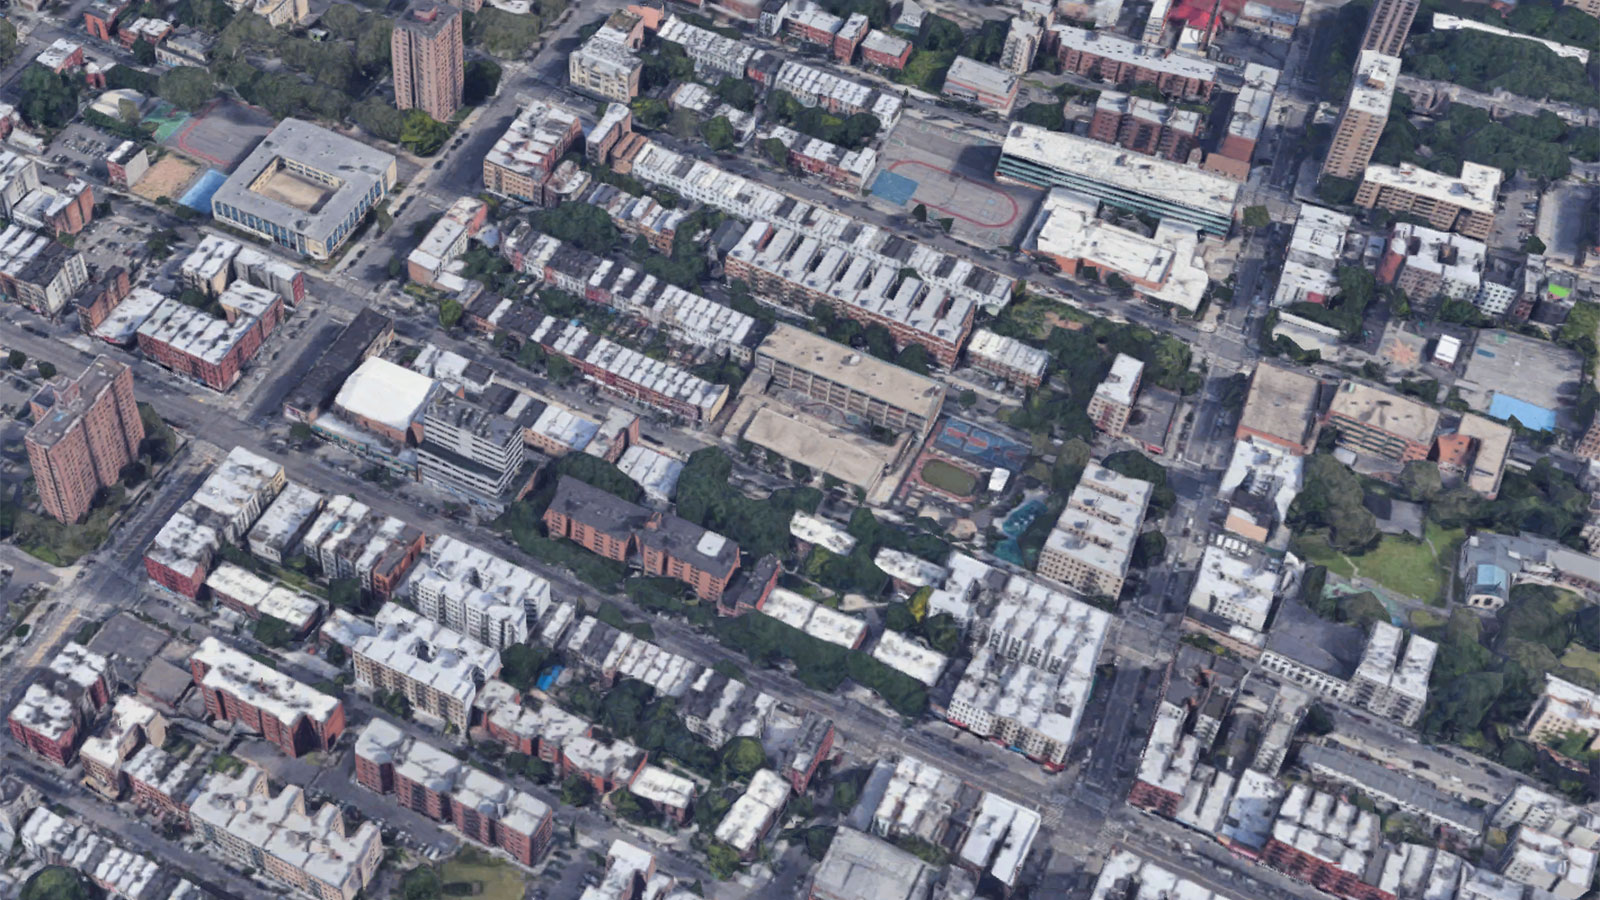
(221, 134)
(951, 173)
(969, 441)
(169, 177)
(946, 477)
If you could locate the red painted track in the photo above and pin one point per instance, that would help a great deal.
(978, 184)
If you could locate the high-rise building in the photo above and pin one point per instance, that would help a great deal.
(1388, 26)
(426, 53)
(85, 430)
(1366, 111)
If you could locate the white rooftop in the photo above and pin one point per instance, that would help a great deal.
(1474, 191)
(386, 393)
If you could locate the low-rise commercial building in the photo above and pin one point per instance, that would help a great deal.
(429, 781)
(313, 853)
(237, 688)
(366, 336)
(859, 866)
(988, 86)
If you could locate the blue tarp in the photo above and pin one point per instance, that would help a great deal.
(549, 677)
(1537, 418)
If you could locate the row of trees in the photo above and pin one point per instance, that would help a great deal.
(1487, 62)
(707, 498)
(1540, 145)
(818, 664)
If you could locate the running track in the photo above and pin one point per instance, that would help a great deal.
(957, 215)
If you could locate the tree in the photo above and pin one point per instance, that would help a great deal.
(379, 117)
(133, 474)
(967, 399)
(345, 593)
(421, 883)
(48, 100)
(335, 654)
(421, 134)
(576, 792)
(16, 359)
(919, 212)
(143, 53)
(737, 93)
(1533, 246)
(743, 756)
(776, 151)
(8, 41)
(450, 312)
(1257, 217)
(722, 860)
(186, 87)
(521, 664)
(1318, 720)
(56, 883)
(273, 631)
(1420, 481)
(916, 358)
(718, 133)
(47, 370)
(479, 82)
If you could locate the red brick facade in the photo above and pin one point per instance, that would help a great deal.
(1092, 65)
(223, 374)
(1320, 874)
(525, 848)
(187, 583)
(61, 751)
(85, 431)
(303, 735)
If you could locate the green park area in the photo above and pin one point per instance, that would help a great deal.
(491, 879)
(948, 478)
(1401, 563)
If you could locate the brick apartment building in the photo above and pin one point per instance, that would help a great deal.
(95, 301)
(885, 51)
(427, 59)
(297, 717)
(1145, 126)
(668, 546)
(53, 715)
(1118, 60)
(100, 19)
(429, 781)
(520, 162)
(85, 431)
(192, 343)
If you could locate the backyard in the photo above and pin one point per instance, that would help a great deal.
(1420, 569)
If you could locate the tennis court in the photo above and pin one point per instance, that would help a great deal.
(981, 445)
(168, 119)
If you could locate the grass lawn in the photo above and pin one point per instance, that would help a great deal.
(501, 880)
(1401, 564)
(948, 478)
(1579, 657)
(1426, 618)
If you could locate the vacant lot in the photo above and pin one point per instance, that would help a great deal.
(500, 880)
(1419, 569)
(167, 178)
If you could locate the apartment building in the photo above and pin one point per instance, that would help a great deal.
(1239, 582)
(606, 65)
(521, 161)
(425, 50)
(237, 688)
(1092, 543)
(121, 873)
(212, 351)
(628, 372)
(277, 533)
(1549, 865)
(427, 780)
(1112, 402)
(85, 430)
(1388, 26)
(349, 540)
(133, 724)
(236, 493)
(1031, 672)
(438, 670)
(1167, 267)
(847, 168)
(1464, 204)
(248, 593)
(477, 593)
(667, 545)
(1018, 363)
(39, 272)
(754, 813)
(1145, 126)
(52, 717)
(1328, 843)
(800, 272)
(471, 453)
(1391, 683)
(1251, 109)
(1565, 708)
(829, 372)
(715, 55)
(238, 816)
(1381, 422)
(884, 50)
(1366, 111)
(180, 554)
(1112, 58)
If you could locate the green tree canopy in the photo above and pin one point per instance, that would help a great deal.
(57, 883)
(48, 100)
(743, 756)
(186, 87)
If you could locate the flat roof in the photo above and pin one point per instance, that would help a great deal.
(858, 371)
(1008, 352)
(1386, 411)
(1372, 88)
(909, 657)
(1124, 169)
(967, 72)
(1125, 50)
(1474, 191)
(356, 168)
(1281, 403)
(384, 392)
(859, 866)
(851, 458)
(1122, 382)
(265, 688)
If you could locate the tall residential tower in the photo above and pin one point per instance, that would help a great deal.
(85, 430)
(426, 54)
